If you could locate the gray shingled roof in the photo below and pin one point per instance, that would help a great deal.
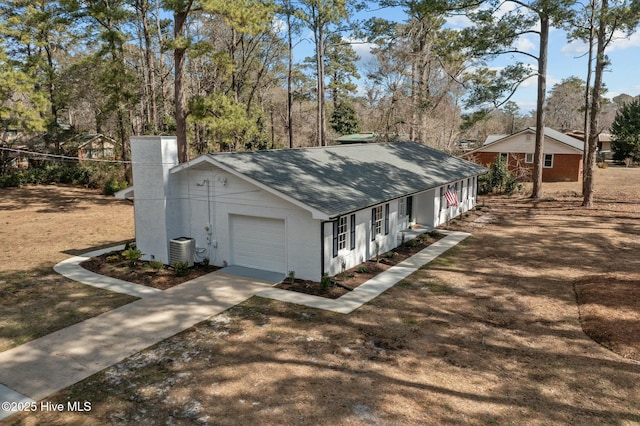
(548, 132)
(340, 179)
(561, 137)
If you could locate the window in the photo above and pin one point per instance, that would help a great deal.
(342, 233)
(528, 158)
(461, 190)
(469, 188)
(339, 235)
(402, 207)
(504, 157)
(443, 202)
(376, 222)
(548, 161)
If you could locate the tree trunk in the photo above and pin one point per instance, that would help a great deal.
(587, 97)
(538, 162)
(290, 76)
(588, 183)
(151, 79)
(180, 18)
(414, 98)
(322, 126)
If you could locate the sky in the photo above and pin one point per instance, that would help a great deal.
(565, 59)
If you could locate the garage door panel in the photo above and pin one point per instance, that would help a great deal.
(258, 243)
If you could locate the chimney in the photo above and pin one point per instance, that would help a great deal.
(156, 207)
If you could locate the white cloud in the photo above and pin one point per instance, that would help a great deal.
(524, 44)
(621, 41)
(279, 25)
(458, 22)
(574, 48)
(362, 49)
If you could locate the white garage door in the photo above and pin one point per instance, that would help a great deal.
(258, 242)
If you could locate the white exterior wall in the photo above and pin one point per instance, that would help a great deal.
(212, 196)
(442, 213)
(156, 213)
(525, 143)
(365, 246)
(198, 202)
(426, 211)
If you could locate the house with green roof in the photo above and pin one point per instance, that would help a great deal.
(562, 154)
(307, 210)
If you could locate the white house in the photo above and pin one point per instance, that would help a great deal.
(307, 210)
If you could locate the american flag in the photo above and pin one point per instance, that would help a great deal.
(452, 197)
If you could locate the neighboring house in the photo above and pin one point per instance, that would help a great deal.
(562, 154)
(604, 143)
(306, 210)
(370, 138)
(91, 146)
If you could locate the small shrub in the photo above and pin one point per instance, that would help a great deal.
(363, 269)
(292, 276)
(325, 282)
(113, 258)
(433, 233)
(111, 186)
(132, 255)
(156, 265)
(377, 251)
(412, 243)
(603, 165)
(180, 268)
(390, 254)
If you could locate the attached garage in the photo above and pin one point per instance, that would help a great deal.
(258, 242)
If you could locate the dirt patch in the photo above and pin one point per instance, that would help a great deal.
(115, 265)
(610, 312)
(343, 283)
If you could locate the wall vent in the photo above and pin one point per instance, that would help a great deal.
(182, 250)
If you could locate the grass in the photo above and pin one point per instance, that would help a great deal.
(40, 301)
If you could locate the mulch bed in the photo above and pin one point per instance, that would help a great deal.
(114, 265)
(362, 273)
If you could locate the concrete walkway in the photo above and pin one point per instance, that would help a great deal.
(376, 285)
(71, 269)
(33, 371)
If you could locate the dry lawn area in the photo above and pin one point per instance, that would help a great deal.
(489, 333)
(39, 227)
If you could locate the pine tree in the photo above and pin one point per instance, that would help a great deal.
(626, 132)
(344, 119)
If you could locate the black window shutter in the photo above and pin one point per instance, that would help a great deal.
(373, 224)
(352, 219)
(386, 219)
(335, 238)
(410, 207)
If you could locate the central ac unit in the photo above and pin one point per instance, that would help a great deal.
(182, 250)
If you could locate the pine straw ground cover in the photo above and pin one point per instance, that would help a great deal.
(488, 333)
(39, 227)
